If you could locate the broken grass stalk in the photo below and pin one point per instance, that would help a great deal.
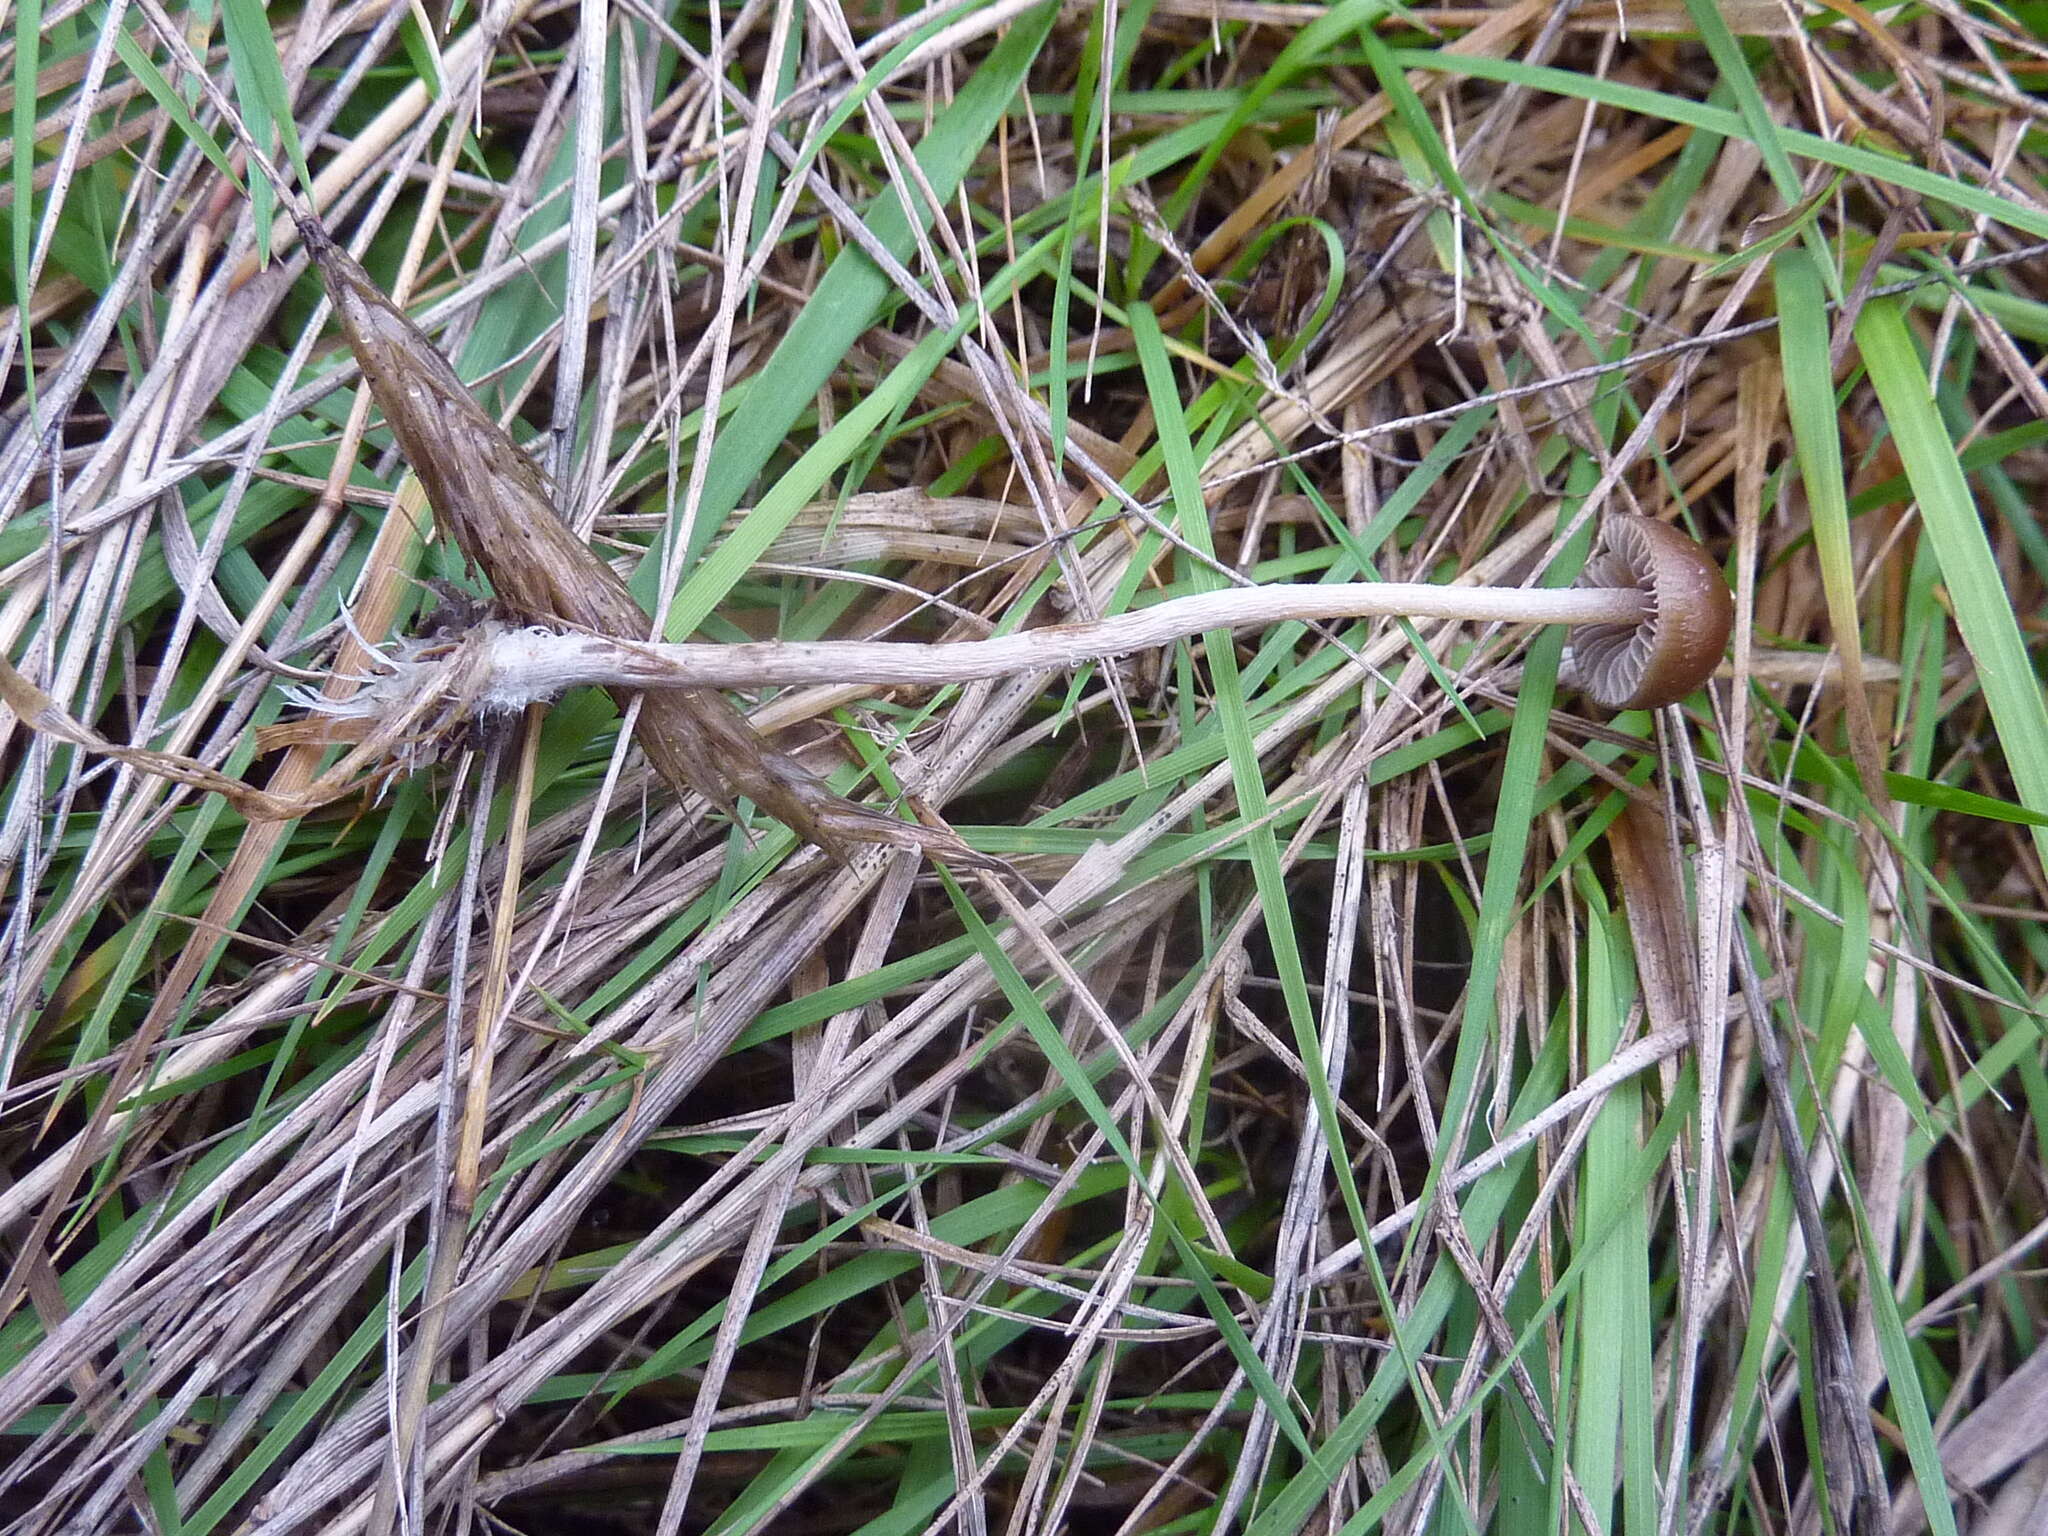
(493, 502)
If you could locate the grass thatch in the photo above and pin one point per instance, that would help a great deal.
(1382, 1093)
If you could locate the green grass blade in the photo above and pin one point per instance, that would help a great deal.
(854, 289)
(264, 101)
(1983, 611)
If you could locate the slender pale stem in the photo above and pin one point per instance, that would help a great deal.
(533, 664)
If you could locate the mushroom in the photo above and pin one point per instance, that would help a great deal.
(1677, 643)
(1652, 612)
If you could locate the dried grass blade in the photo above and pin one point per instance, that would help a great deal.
(494, 503)
(1654, 898)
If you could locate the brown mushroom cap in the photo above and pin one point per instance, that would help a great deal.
(1680, 639)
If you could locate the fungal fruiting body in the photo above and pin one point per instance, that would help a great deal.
(1678, 642)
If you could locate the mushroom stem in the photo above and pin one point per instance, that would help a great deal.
(526, 664)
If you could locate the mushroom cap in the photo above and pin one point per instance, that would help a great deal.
(1678, 643)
